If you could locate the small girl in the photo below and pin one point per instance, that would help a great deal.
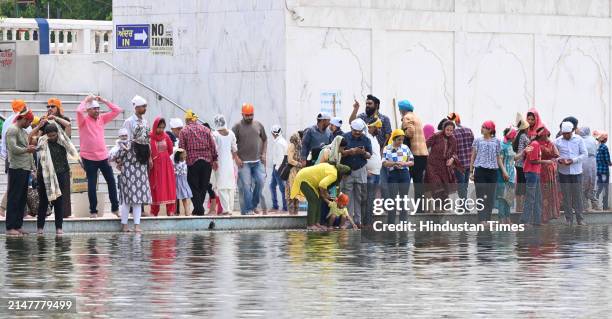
(183, 191)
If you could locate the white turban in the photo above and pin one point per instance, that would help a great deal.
(138, 101)
(567, 127)
(358, 125)
(176, 123)
(276, 129)
(123, 132)
(219, 122)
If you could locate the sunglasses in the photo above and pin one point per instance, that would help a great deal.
(51, 106)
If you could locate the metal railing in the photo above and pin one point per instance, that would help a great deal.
(160, 96)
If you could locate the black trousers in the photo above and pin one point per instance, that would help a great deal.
(198, 178)
(486, 184)
(417, 173)
(17, 194)
(58, 204)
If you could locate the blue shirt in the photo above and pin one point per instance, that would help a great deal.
(356, 162)
(603, 160)
(573, 149)
(313, 138)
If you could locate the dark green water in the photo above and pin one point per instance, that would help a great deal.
(554, 272)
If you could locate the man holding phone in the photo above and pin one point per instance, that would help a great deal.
(93, 148)
(572, 152)
(355, 156)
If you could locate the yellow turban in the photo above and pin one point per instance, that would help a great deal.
(397, 132)
(377, 124)
(190, 115)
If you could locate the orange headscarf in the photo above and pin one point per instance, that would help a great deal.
(248, 109)
(18, 105)
(57, 103)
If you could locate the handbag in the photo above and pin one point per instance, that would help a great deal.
(284, 170)
(32, 201)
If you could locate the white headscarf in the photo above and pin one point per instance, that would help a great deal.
(219, 122)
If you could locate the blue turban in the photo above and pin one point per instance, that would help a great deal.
(405, 106)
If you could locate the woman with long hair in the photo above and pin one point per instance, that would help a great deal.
(161, 173)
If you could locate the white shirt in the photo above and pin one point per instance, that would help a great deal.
(374, 164)
(573, 149)
(279, 150)
(7, 123)
(131, 123)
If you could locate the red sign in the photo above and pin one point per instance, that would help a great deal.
(6, 58)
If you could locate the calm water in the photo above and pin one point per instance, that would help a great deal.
(551, 272)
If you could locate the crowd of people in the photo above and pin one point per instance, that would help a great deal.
(338, 174)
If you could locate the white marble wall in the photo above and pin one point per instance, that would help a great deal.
(225, 53)
(484, 59)
(74, 73)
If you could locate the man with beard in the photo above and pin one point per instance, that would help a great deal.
(371, 114)
(251, 140)
(140, 108)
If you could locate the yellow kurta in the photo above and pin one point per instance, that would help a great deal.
(318, 176)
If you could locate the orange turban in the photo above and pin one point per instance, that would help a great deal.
(18, 105)
(248, 109)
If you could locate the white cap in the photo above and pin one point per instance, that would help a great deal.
(358, 125)
(323, 116)
(276, 129)
(123, 132)
(176, 123)
(93, 104)
(138, 101)
(336, 121)
(567, 127)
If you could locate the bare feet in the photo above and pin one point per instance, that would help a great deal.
(59, 232)
(116, 213)
(94, 215)
(22, 231)
(125, 228)
(13, 233)
(137, 229)
(39, 232)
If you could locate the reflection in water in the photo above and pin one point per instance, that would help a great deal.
(548, 271)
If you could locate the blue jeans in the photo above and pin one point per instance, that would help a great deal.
(277, 181)
(603, 185)
(373, 186)
(399, 184)
(463, 180)
(91, 170)
(250, 184)
(533, 199)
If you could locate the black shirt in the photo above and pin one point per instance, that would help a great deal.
(59, 157)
